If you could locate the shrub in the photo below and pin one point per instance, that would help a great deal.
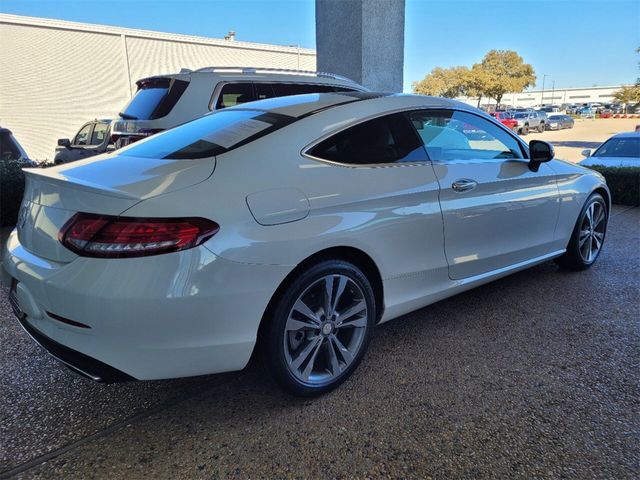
(623, 182)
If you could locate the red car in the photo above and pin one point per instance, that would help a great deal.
(505, 119)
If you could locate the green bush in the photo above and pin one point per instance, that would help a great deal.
(624, 183)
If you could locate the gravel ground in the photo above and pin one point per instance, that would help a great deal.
(533, 376)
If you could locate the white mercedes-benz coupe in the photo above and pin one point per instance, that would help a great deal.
(297, 224)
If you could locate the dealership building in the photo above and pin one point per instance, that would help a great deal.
(57, 75)
(551, 96)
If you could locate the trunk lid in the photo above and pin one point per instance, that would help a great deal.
(107, 184)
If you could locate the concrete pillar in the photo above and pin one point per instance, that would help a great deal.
(362, 40)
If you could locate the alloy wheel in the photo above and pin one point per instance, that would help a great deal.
(325, 329)
(592, 229)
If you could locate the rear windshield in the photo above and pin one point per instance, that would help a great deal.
(154, 99)
(213, 134)
(556, 117)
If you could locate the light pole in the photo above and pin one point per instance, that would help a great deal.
(553, 90)
(542, 96)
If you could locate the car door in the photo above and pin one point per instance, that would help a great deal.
(81, 143)
(496, 211)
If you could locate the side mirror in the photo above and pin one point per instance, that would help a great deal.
(586, 153)
(64, 142)
(539, 152)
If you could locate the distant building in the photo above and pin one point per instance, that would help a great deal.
(558, 96)
(56, 75)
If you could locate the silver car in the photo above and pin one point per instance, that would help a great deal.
(621, 150)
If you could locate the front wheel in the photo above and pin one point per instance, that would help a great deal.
(588, 235)
(541, 128)
(524, 130)
(321, 327)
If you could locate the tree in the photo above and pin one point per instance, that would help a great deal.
(504, 71)
(444, 82)
(629, 94)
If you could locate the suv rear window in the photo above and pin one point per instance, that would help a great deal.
(211, 135)
(154, 99)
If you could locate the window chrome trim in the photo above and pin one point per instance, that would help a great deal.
(304, 152)
(221, 84)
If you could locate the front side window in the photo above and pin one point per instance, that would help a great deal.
(82, 137)
(99, 133)
(388, 139)
(207, 136)
(234, 94)
(454, 135)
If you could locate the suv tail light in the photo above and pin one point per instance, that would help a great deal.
(105, 236)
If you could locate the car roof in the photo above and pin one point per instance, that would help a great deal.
(299, 106)
(627, 135)
(243, 74)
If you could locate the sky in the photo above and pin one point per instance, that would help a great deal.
(576, 43)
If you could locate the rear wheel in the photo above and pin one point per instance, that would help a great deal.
(588, 235)
(524, 130)
(541, 128)
(321, 327)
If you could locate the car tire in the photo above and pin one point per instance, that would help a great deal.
(541, 128)
(524, 130)
(588, 234)
(308, 349)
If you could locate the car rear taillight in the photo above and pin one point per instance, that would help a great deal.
(105, 236)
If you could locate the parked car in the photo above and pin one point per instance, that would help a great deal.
(550, 109)
(164, 101)
(621, 150)
(13, 159)
(506, 119)
(92, 139)
(528, 121)
(587, 112)
(559, 122)
(271, 223)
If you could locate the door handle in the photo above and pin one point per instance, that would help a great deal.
(464, 185)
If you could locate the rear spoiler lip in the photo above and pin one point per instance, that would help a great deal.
(52, 177)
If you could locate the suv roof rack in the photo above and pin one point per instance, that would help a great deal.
(268, 70)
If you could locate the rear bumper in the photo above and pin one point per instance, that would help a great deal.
(175, 315)
(78, 362)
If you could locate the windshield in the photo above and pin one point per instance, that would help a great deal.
(619, 147)
(555, 117)
(210, 135)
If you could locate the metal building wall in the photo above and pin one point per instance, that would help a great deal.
(56, 75)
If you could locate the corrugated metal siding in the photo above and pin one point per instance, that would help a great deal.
(55, 75)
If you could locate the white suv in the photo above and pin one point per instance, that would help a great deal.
(165, 101)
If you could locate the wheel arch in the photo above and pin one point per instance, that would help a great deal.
(605, 194)
(350, 254)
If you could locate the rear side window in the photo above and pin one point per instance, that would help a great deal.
(99, 133)
(155, 98)
(8, 150)
(211, 135)
(234, 94)
(388, 139)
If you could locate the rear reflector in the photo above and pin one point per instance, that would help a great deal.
(105, 236)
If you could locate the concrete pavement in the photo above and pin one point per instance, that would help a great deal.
(535, 375)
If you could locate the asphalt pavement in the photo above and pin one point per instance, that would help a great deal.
(533, 376)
